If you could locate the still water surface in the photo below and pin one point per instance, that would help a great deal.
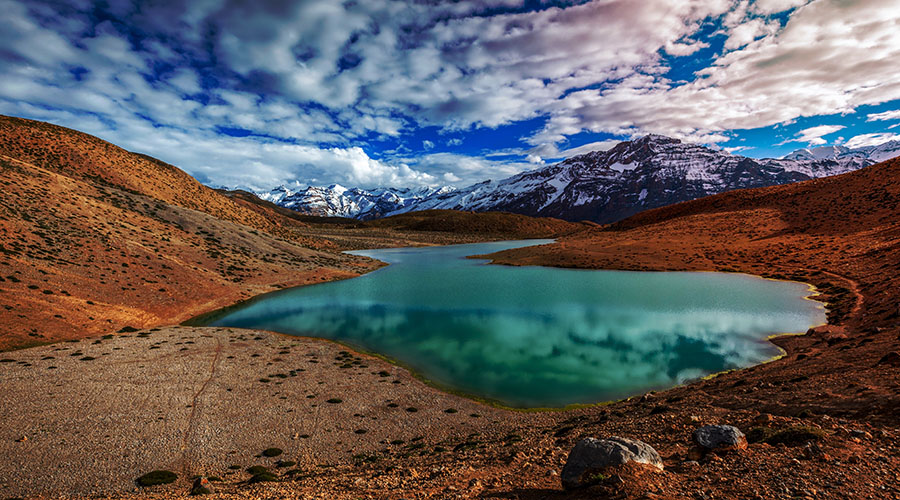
(539, 336)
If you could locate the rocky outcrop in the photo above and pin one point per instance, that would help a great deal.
(591, 457)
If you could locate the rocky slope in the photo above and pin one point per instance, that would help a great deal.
(601, 186)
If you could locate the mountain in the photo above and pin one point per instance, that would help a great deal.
(601, 186)
(653, 171)
(338, 201)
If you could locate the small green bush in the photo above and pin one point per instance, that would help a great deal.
(272, 452)
(335, 401)
(257, 469)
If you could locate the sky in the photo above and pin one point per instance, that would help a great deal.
(408, 93)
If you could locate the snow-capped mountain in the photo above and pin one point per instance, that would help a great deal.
(339, 201)
(653, 171)
(601, 186)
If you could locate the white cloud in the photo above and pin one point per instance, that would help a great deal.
(685, 48)
(767, 7)
(829, 58)
(311, 81)
(871, 140)
(887, 115)
(749, 31)
(579, 150)
(813, 135)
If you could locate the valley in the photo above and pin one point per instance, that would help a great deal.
(120, 389)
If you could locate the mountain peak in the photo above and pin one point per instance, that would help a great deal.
(656, 139)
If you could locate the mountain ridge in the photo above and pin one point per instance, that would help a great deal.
(606, 186)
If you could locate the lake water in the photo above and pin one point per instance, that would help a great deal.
(538, 336)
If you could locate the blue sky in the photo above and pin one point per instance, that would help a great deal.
(409, 93)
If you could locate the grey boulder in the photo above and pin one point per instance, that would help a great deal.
(720, 437)
(591, 456)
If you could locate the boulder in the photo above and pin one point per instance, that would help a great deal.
(201, 486)
(720, 438)
(592, 456)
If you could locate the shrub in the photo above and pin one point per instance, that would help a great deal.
(272, 452)
(157, 477)
(263, 477)
(760, 434)
(796, 436)
(257, 469)
(335, 401)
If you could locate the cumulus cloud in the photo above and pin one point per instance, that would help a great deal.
(772, 80)
(249, 91)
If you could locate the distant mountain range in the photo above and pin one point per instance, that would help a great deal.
(601, 186)
(338, 201)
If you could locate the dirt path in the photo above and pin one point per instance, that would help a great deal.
(185, 460)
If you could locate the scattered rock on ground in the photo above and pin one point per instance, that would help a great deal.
(592, 456)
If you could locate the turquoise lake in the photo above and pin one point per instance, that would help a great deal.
(537, 336)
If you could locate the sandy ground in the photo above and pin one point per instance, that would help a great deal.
(87, 417)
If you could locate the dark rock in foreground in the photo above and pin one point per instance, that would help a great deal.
(592, 456)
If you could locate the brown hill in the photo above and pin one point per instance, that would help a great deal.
(94, 238)
(81, 156)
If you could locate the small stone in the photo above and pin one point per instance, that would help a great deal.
(861, 434)
(591, 456)
(201, 486)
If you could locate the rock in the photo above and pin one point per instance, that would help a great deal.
(592, 456)
(763, 419)
(813, 451)
(720, 438)
(201, 486)
(861, 434)
(891, 359)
